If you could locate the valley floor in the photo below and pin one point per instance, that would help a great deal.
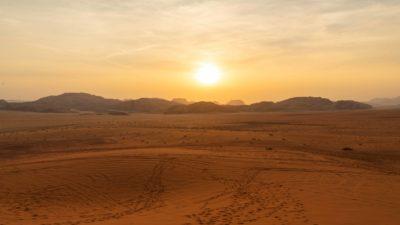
(273, 168)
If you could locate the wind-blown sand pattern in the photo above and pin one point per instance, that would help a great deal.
(272, 168)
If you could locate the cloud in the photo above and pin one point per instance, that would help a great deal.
(121, 32)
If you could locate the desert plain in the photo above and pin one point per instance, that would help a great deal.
(303, 168)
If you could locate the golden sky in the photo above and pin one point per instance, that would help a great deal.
(265, 49)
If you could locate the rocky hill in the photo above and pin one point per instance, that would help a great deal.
(146, 105)
(350, 105)
(182, 101)
(3, 104)
(70, 102)
(236, 102)
(292, 104)
(65, 103)
(385, 102)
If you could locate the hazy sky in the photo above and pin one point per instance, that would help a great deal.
(267, 49)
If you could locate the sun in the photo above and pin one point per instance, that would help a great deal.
(208, 74)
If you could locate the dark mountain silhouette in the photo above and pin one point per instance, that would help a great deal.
(66, 102)
(198, 107)
(308, 104)
(385, 102)
(146, 105)
(235, 102)
(3, 104)
(304, 103)
(261, 106)
(292, 104)
(349, 105)
(204, 107)
(70, 102)
(182, 101)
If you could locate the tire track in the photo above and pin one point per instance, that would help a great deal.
(248, 200)
(33, 202)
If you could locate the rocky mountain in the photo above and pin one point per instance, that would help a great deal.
(350, 105)
(65, 103)
(70, 102)
(235, 102)
(198, 107)
(385, 102)
(146, 105)
(304, 104)
(3, 104)
(292, 104)
(182, 101)
(261, 106)
(308, 104)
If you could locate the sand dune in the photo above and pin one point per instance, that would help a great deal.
(64, 169)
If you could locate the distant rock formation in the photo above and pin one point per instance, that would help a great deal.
(235, 102)
(182, 101)
(65, 103)
(308, 104)
(261, 106)
(304, 104)
(3, 104)
(70, 102)
(198, 107)
(73, 102)
(350, 105)
(385, 102)
(292, 104)
(317, 104)
(146, 105)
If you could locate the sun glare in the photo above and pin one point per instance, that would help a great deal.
(208, 74)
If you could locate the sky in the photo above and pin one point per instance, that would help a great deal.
(265, 49)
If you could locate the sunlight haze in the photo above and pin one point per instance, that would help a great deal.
(199, 112)
(266, 50)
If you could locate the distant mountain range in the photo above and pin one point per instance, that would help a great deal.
(385, 102)
(182, 101)
(70, 102)
(292, 104)
(236, 102)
